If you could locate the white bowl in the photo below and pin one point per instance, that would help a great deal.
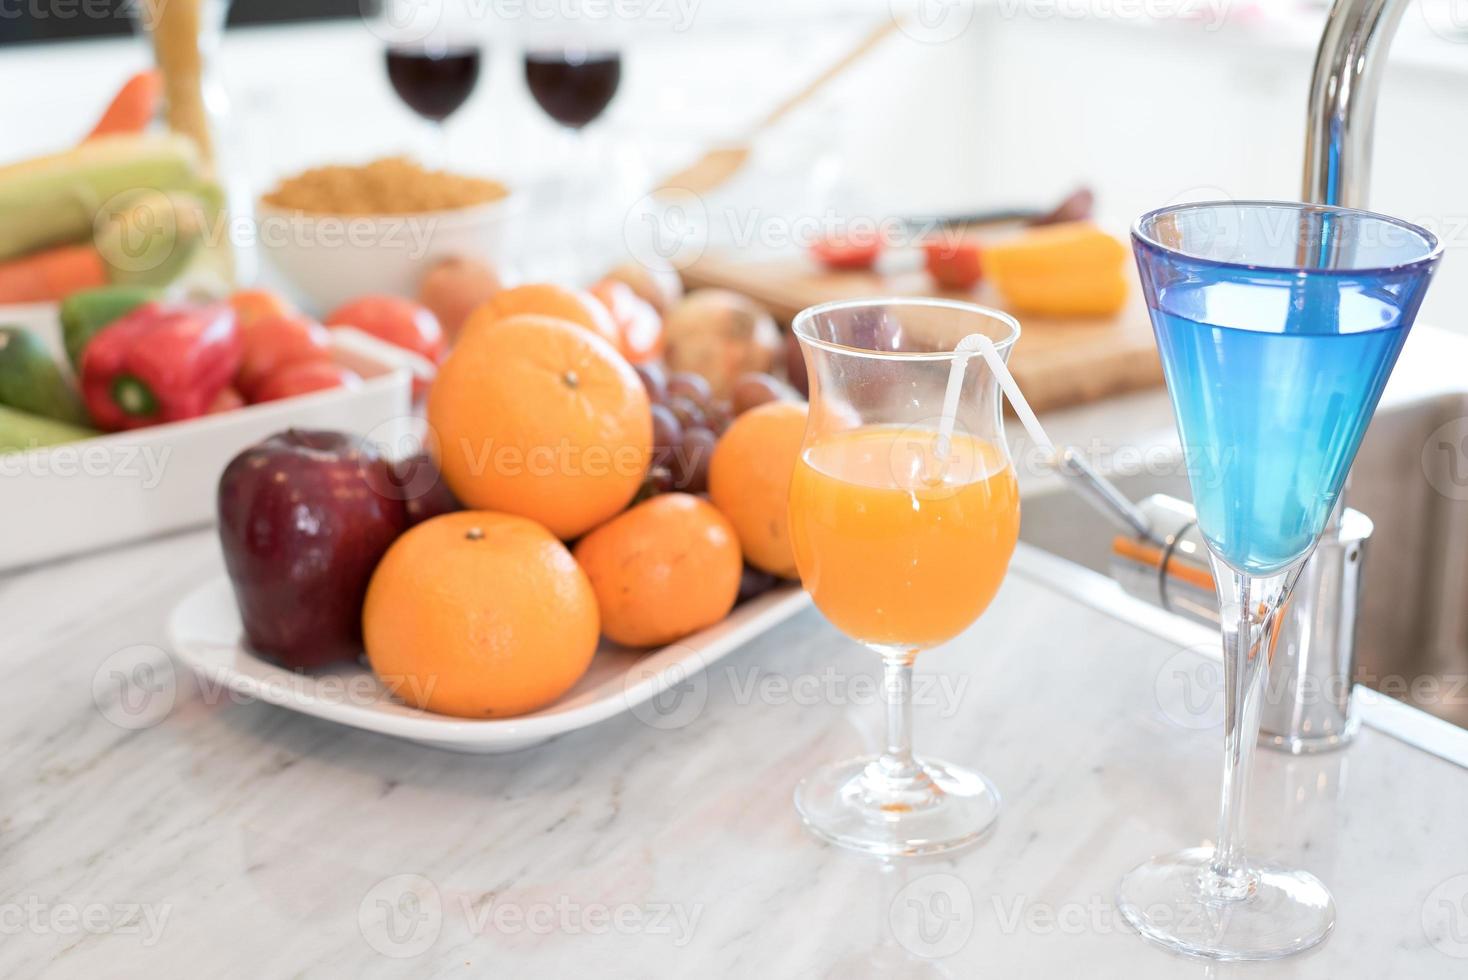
(329, 259)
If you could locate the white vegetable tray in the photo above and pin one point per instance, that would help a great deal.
(65, 500)
(663, 688)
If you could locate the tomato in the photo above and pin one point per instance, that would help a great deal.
(638, 323)
(954, 264)
(304, 377)
(250, 305)
(411, 326)
(272, 342)
(837, 252)
(227, 400)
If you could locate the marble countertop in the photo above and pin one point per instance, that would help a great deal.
(197, 834)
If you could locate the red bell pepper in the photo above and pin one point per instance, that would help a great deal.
(162, 362)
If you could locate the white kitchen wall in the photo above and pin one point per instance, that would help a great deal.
(1028, 100)
(1150, 113)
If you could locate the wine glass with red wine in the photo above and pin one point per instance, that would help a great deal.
(573, 83)
(434, 78)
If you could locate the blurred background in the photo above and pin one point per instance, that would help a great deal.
(970, 106)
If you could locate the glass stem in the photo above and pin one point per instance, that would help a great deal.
(897, 686)
(579, 198)
(894, 783)
(1245, 653)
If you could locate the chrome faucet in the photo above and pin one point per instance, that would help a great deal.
(1317, 649)
(1342, 107)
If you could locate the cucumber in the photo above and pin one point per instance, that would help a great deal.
(86, 312)
(21, 431)
(31, 381)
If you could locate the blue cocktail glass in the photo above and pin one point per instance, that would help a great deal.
(1278, 325)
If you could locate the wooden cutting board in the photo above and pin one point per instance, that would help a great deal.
(1058, 362)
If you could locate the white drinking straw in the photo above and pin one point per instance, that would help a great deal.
(977, 343)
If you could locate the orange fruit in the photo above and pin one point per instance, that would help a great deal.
(668, 567)
(749, 480)
(547, 299)
(540, 418)
(479, 615)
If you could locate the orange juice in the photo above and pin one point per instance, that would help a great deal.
(896, 546)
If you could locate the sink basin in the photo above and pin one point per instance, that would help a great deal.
(1411, 479)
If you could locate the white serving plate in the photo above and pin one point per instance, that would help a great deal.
(63, 500)
(205, 633)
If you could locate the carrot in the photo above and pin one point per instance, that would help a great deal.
(53, 274)
(133, 107)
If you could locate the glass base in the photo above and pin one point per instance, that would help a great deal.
(1313, 745)
(863, 806)
(1278, 912)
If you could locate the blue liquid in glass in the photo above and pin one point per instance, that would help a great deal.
(1271, 417)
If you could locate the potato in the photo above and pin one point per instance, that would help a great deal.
(720, 335)
(455, 288)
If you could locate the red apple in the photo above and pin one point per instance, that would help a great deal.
(304, 518)
(421, 486)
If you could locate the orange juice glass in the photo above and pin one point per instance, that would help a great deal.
(903, 526)
(893, 556)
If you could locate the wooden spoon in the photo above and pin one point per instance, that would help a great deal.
(716, 166)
